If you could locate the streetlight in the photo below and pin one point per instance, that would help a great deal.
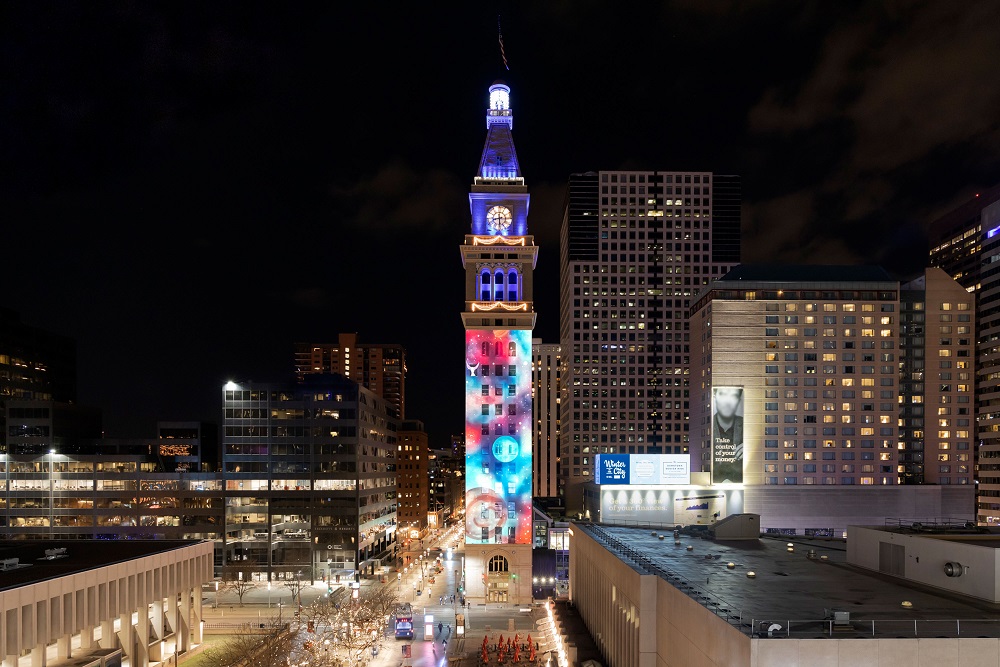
(399, 581)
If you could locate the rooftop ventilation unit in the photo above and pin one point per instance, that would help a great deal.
(9, 563)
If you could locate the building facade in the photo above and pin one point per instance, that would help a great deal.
(635, 248)
(965, 243)
(380, 368)
(545, 381)
(811, 385)
(499, 257)
(34, 365)
(310, 478)
(808, 355)
(412, 480)
(937, 423)
(446, 493)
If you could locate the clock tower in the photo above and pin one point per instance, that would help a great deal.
(499, 257)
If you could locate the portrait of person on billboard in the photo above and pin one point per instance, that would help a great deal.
(727, 434)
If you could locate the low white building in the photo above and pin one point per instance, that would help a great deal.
(140, 598)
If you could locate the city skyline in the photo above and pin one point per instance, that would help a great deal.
(187, 177)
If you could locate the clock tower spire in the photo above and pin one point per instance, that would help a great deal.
(499, 258)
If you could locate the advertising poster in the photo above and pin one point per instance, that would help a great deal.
(727, 434)
(498, 437)
(612, 469)
(697, 509)
(643, 469)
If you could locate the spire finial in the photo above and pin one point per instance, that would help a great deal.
(500, 36)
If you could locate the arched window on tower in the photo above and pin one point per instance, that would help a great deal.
(498, 564)
(486, 348)
(485, 286)
(511, 349)
(498, 286)
(512, 285)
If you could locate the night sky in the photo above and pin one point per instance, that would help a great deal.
(191, 187)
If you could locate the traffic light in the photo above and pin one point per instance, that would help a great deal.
(310, 627)
(329, 589)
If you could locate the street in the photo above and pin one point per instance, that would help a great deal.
(418, 583)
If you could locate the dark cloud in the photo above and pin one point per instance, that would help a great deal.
(270, 172)
(399, 196)
(902, 82)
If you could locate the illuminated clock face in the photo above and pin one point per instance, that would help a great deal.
(498, 219)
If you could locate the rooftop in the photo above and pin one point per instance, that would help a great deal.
(794, 585)
(80, 555)
(800, 273)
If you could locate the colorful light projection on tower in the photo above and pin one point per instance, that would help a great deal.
(498, 437)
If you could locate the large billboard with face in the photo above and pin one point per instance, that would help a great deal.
(643, 469)
(498, 437)
(727, 434)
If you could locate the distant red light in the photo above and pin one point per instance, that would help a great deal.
(977, 194)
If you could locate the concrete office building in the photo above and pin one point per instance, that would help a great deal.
(651, 601)
(310, 480)
(965, 243)
(635, 248)
(82, 601)
(380, 368)
(545, 386)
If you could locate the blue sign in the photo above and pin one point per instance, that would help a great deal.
(612, 469)
(643, 469)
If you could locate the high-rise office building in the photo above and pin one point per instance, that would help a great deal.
(966, 244)
(545, 387)
(310, 477)
(499, 257)
(635, 247)
(380, 368)
(34, 365)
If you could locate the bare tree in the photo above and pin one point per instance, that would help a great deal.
(250, 646)
(352, 626)
(295, 586)
(238, 578)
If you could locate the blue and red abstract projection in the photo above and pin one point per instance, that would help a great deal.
(498, 437)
